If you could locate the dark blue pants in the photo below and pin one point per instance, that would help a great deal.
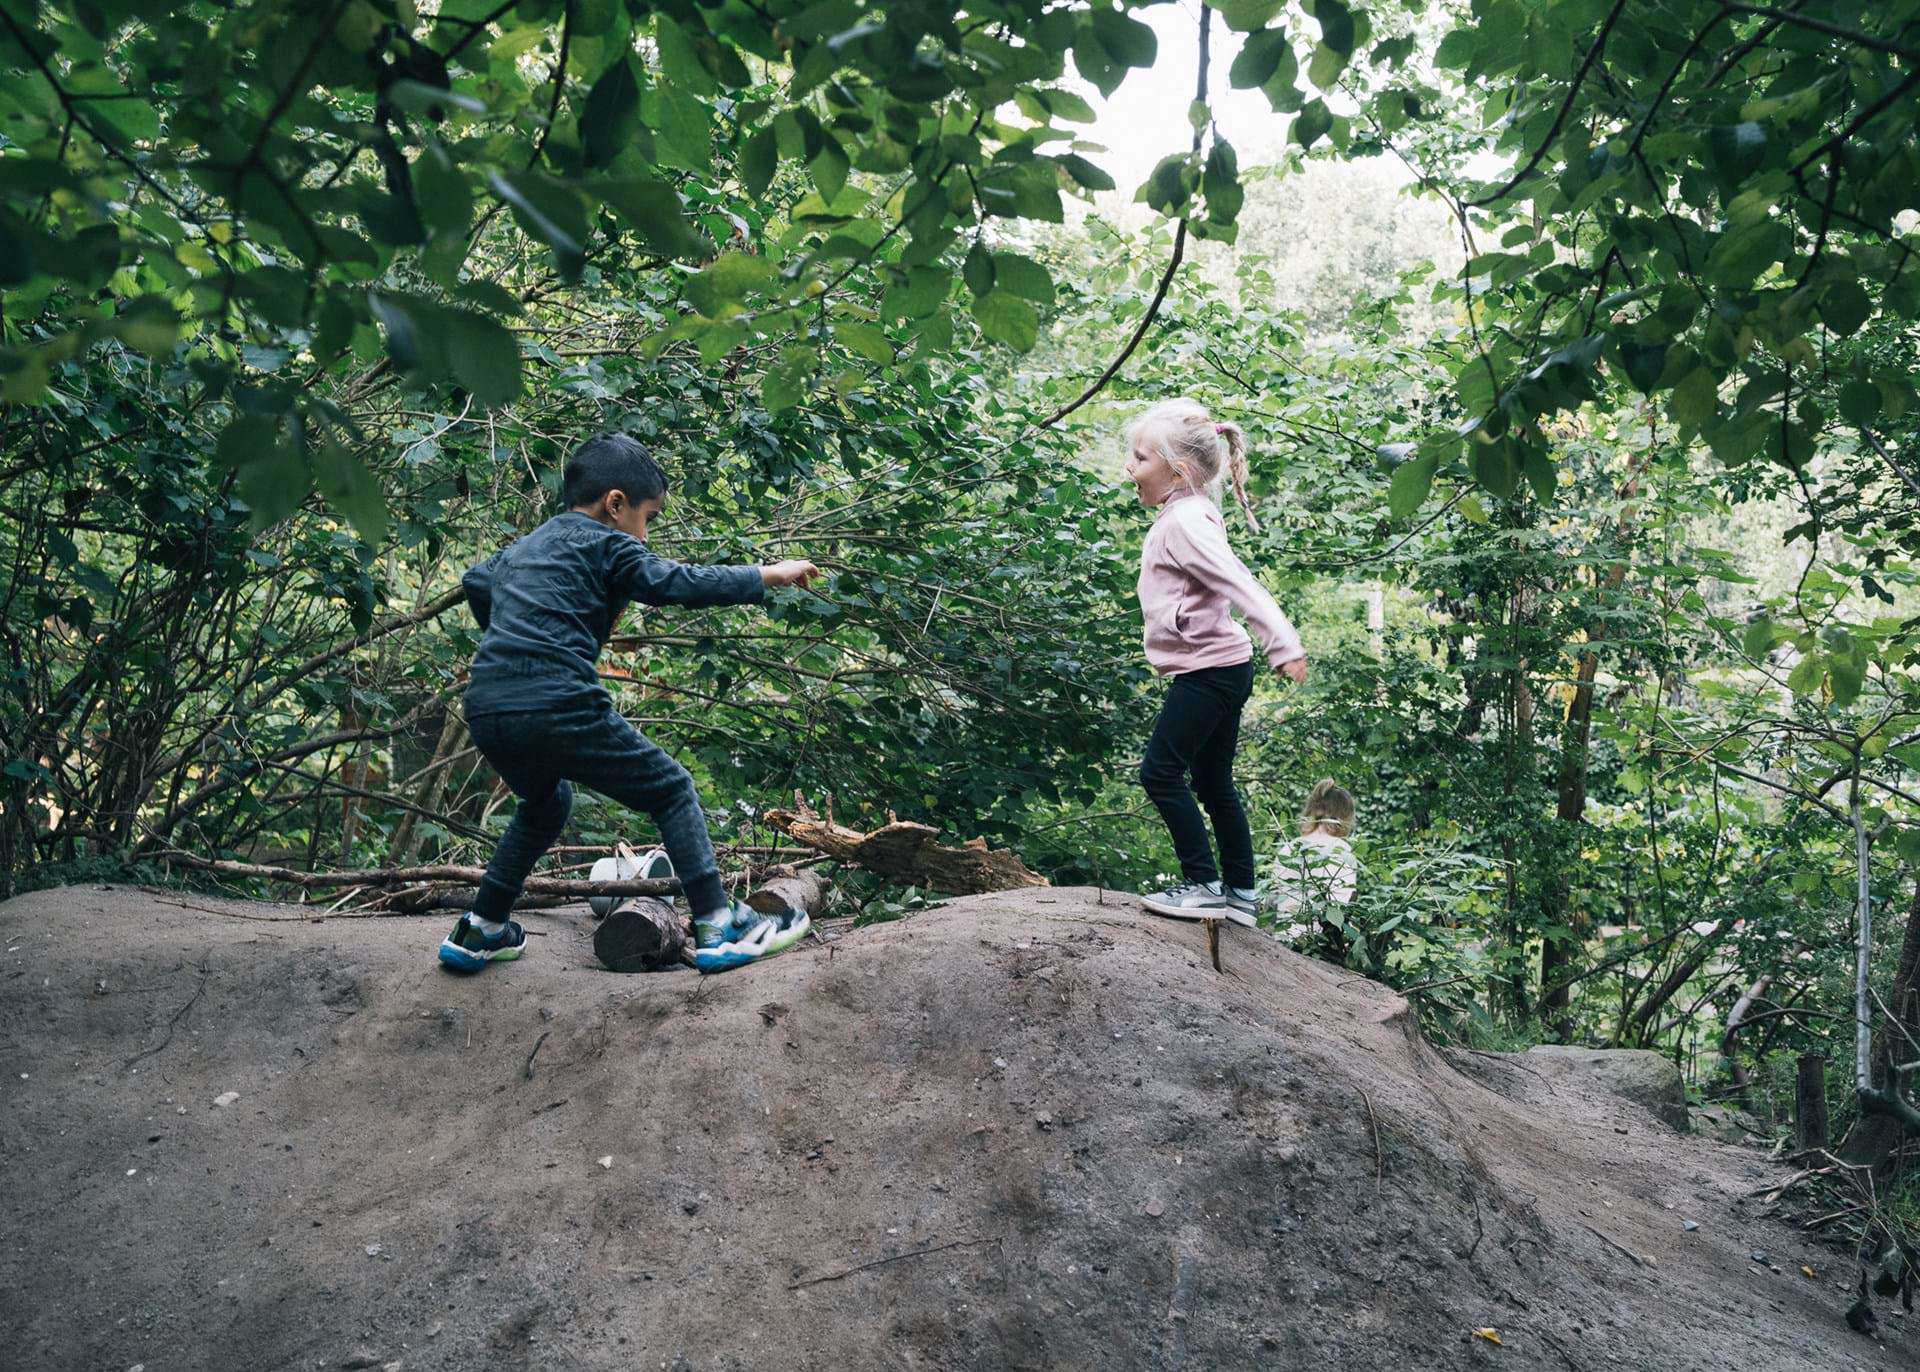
(539, 753)
(1195, 736)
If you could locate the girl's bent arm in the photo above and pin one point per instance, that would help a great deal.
(1201, 547)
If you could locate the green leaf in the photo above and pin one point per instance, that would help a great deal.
(1085, 172)
(551, 213)
(1757, 641)
(1860, 402)
(865, 339)
(1495, 470)
(1644, 362)
(680, 59)
(1412, 482)
(272, 473)
(652, 208)
(1845, 305)
(1022, 276)
(1696, 399)
(1006, 318)
(612, 113)
(1221, 182)
(1259, 59)
(728, 281)
(977, 270)
(829, 168)
(441, 191)
(1736, 150)
(351, 489)
(1336, 26)
(681, 122)
(484, 356)
(1325, 67)
(918, 293)
(1312, 123)
(417, 97)
(1126, 40)
(1245, 15)
(148, 324)
(1807, 674)
(759, 159)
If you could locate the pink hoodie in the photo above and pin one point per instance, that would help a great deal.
(1188, 577)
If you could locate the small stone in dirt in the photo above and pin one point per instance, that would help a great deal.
(226, 1098)
(1689, 1225)
(433, 1330)
(1001, 1063)
(692, 1207)
(1044, 1119)
(362, 1357)
(374, 1250)
(607, 1161)
(1155, 1209)
(1762, 1259)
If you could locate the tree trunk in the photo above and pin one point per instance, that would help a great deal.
(1735, 1018)
(1877, 1138)
(1810, 1103)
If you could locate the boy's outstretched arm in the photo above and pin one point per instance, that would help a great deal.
(478, 583)
(654, 580)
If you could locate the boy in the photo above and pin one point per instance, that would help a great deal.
(547, 605)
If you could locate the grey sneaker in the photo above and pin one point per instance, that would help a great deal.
(1188, 900)
(1243, 907)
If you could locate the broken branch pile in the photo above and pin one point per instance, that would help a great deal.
(905, 851)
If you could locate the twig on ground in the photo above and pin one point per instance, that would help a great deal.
(527, 1071)
(1379, 1159)
(178, 1015)
(1618, 1247)
(882, 1262)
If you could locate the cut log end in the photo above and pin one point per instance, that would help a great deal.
(641, 936)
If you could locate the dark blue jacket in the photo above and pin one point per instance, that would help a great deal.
(548, 602)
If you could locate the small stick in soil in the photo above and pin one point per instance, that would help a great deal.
(1617, 1247)
(1213, 942)
(528, 1070)
(882, 1262)
(1379, 1159)
(1479, 1226)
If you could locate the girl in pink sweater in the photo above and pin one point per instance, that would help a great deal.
(1189, 576)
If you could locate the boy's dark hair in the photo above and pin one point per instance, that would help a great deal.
(611, 462)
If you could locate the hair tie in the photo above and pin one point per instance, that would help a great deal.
(1219, 429)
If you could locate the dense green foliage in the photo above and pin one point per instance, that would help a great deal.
(1584, 417)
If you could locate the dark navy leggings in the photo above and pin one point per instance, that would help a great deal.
(1195, 738)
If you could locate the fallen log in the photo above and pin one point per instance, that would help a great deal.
(643, 935)
(790, 888)
(905, 851)
(404, 876)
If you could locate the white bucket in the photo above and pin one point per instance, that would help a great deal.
(610, 869)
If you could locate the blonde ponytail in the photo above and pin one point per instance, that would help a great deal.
(1236, 440)
(1191, 442)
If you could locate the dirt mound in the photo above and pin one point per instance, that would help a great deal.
(1025, 1130)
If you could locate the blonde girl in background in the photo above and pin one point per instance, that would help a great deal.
(1178, 457)
(1316, 869)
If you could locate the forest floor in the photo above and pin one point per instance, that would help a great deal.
(1029, 1130)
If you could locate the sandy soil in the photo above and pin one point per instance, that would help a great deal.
(1031, 1130)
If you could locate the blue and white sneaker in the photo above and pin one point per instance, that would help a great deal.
(737, 935)
(466, 949)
